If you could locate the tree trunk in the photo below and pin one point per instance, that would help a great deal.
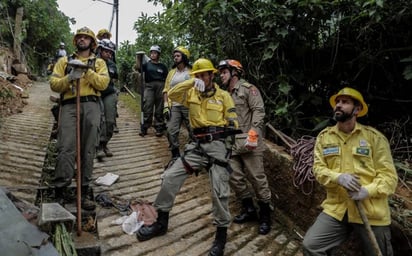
(17, 33)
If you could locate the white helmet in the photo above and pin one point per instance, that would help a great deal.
(107, 44)
(155, 48)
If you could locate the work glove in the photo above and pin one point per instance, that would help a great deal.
(77, 69)
(359, 195)
(166, 112)
(251, 140)
(349, 181)
(199, 85)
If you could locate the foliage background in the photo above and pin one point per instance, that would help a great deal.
(298, 52)
(44, 27)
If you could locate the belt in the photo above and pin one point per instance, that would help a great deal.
(82, 99)
(208, 129)
(208, 134)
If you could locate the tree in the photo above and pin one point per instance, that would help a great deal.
(300, 52)
(42, 21)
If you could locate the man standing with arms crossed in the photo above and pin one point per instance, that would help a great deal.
(354, 163)
(67, 72)
(247, 156)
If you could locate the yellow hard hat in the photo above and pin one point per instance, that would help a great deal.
(102, 32)
(182, 50)
(347, 91)
(203, 65)
(88, 32)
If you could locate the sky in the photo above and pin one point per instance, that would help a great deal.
(97, 15)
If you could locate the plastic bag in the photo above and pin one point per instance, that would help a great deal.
(131, 225)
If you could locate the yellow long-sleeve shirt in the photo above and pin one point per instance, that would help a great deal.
(366, 153)
(91, 83)
(216, 110)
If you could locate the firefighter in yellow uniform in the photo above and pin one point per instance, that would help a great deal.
(213, 118)
(354, 163)
(92, 81)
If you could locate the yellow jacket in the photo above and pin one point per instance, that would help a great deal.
(366, 153)
(215, 110)
(90, 84)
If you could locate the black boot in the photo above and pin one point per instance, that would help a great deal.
(158, 228)
(248, 212)
(175, 153)
(99, 152)
(264, 220)
(143, 131)
(86, 203)
(218, 246)
(59, 195)
(106, 150)
(159, 131)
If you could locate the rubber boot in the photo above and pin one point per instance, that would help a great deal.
(175, 153)
(99, 152)
(264, 220)
(59, 195)
(248, 212)
(143, 131)
(86, 203)
(159, 131)
(158, 228)
(219, 243)
(115, 128)
(106, 150)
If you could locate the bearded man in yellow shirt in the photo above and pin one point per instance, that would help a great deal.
(354, 163)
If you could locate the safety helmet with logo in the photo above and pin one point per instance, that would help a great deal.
(182, 50)
(108, 45)
(155, 48)
(102, 32)
(88, 32)
(354, 94)
(231, 65)
(203, 65)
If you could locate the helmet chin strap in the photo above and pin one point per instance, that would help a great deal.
(231, 76)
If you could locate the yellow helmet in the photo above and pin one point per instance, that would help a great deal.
(102, 32)
(182, 50)
(203, 65)
(347, 91)
(88, 32)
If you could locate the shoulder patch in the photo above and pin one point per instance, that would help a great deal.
(254, 91)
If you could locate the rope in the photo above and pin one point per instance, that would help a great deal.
(302, 153)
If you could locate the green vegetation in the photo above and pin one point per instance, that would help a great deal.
(131, 103)
(297, 52)
(63, 241)
(44, 27)
(301, 52)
